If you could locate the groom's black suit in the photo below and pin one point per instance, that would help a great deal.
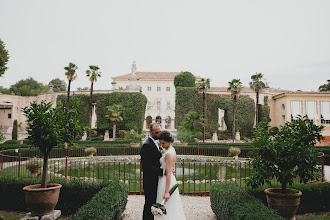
(150, 156)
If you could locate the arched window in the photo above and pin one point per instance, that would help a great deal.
(159, 120)
(148, 121)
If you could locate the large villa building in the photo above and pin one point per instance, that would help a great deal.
(159, 89)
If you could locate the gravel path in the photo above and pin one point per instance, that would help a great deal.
(195, 208)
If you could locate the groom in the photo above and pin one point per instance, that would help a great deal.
(150, 155)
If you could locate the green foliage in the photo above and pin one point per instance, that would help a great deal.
(73, 195)
(286, 153)
(33, 163)
(2, 137)
(122, 134)
(90, 150)
(234, 151)
(4, 57)
(134, 105)
(4, 90)
(28, 87)
(324, 87)
(187, 130)
(228, 202)
(47, 127)
(58, 85)
(109, 203)
(115, 113)
(134, 137)
(184, 79)
(264, 111)
(14, 132)
(188, 99)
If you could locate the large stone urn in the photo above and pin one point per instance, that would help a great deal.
(41, 201)
(285, 204)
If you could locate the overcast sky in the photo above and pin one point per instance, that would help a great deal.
(286, 40)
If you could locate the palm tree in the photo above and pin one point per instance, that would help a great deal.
(235, 87)
(71, 75)
(202, 86)
(115, 115)
(93, 73)
(257, 85)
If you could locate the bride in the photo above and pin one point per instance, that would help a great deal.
(173, 203)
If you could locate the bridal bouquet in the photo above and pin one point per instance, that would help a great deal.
(158, 209)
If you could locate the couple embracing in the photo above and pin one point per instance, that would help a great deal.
(158, 178)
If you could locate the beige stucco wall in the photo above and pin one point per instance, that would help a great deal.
(282, 107)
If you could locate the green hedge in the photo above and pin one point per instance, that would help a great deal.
(109, 203)
(315, 197)
(229, 202)
(134, 109)
(188, 99)
(73, 194)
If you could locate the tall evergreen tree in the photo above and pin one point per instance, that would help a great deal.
(71, 75)
(202, 86)
(257, 85)
(4, 57)
(235, 87)
(93, 73)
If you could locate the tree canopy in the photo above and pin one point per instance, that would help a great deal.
(184, 79)
(58, 85)
(28, 87)
(324, 87)
(4, 57)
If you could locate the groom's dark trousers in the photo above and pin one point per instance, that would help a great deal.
(150, 156)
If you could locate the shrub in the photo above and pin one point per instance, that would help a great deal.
(14, 132)
(73, 194)
(234, 151)
(109, 203)
(90, 150)
(33, 163)
(122, 134)
(229, 202)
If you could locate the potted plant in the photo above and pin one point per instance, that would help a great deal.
(33, 165)
(47, 127)
(285, 154)
(234, 152)
(90, 151)
(134, 137)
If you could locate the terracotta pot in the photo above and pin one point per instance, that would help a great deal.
(41, 201)
(135, 144)
(91, 155)
(182, 144)
(285, 204)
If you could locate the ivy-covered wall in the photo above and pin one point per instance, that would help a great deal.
(134, 109)
(188, 99)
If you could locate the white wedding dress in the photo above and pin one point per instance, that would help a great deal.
(173, 206)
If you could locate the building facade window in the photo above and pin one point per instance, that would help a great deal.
(149, 88)
(168, 88)
(168, 105)
(158, 105)
(149, 105)
(9, 115)
(158, 88)
(325, 112)
(296, 109)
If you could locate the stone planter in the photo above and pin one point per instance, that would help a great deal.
(34, 172)
(41, 201)
(182, 144)
(285, 204)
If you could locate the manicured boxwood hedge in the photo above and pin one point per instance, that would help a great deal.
(229, 202)
(73, 194)
(109, 203)
(315, 197)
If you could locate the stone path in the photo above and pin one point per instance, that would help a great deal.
(195, 208)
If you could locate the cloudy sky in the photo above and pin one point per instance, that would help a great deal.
(286, 40)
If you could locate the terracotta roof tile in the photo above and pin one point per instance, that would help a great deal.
(248, 90)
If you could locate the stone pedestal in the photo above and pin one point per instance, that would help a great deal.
(106, 135)
(84, 137)
(215, 137)
(237, 136)
(52, 216)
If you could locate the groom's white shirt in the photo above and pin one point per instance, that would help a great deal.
(155, 141)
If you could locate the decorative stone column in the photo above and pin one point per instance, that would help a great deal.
(237, 136)
(106, 136)
(215, 137)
